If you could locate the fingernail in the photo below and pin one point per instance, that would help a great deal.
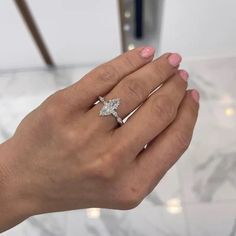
(196, 96)
(147, 52)
(174, 59)
(184, 75)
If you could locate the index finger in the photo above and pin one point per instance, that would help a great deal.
(102, 79)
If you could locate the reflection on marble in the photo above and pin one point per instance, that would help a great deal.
(196, 197)
(211, 219)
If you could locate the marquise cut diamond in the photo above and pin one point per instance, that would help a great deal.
(109, 107)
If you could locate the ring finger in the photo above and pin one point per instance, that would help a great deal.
(153, 116)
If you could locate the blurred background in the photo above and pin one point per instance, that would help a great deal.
(48, 45)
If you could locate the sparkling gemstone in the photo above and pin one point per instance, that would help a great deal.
(109, 107)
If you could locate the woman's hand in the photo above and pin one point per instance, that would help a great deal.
(65, 156)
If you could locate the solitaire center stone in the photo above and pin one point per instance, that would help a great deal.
(109, 107)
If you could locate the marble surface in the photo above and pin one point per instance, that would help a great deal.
(196, 197)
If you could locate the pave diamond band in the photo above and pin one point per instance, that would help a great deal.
(110, 108)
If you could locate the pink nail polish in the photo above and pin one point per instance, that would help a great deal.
(174, 59)
(196, 96)
(147, 52)
(184, 75)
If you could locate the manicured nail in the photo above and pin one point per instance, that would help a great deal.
(174, 59)
(184, 75)
(147, 52)
(196, 96)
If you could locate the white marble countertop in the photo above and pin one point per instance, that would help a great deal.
(197, 197)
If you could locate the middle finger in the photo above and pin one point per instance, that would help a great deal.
(135, 88)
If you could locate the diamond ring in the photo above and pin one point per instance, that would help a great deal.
(110, 108)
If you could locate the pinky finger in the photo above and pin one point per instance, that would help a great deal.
(162, 153)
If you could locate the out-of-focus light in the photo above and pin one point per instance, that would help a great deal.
(127, 14)
(131, 46)
(174, 206)
(93, 213)
(229, 111)
(126, 27)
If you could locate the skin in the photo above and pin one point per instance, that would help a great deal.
(64, 156)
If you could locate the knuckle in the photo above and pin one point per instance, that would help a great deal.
(103, 168)
(51, 106)
(180, 83)
(50, 111)
(107, 73)
(164, 108)
(129, 61)
(182, 140)
(71, 136)
(160, 69)
(136, 89)
(70, 139)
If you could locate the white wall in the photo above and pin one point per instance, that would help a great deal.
(199, 28)
(87, 32)
(16, 47)
(75, 31)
